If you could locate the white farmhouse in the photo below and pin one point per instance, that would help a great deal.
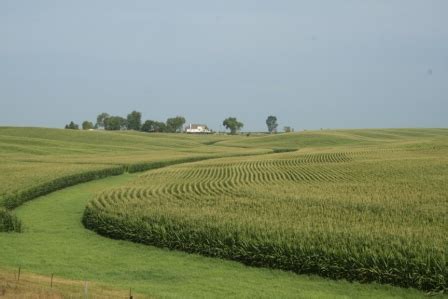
(195, 128)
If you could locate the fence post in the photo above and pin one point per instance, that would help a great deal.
(86, 289)
(18, 274)
(51, 281)
(130, 293)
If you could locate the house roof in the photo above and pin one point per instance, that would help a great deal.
(196, 126)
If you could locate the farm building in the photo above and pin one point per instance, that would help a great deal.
(195, 128)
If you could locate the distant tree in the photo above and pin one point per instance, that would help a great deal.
(232, 124)
(134, 120)
(114, 123)
(175, 124)
(148, 126)
(160, 126)
(87, 125)
(153, 126)
(100, 119)
(287, 129)
(271, 122)
(72, 126)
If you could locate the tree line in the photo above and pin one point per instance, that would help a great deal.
(133, 121)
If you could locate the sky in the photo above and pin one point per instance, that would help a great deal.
(313, 64)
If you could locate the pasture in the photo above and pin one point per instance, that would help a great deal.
(360, 205)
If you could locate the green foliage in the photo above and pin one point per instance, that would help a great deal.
(56, 242)
(72, 126)
(358, 210)
(9, 222)
(154, 126)
(115, 123)
(304, 139)
(288, 129)
(138, 167)
(160, 127)
(148, 126)
(175, 124)
(87, 125)
(366, 205)
(272, 124)
(232, 124)
(134, 121)
(100, 119)
(14, 200)
(60, 154)
(283, 150)
(328, 256)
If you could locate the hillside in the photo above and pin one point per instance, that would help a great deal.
(34, 161)
(361, 205)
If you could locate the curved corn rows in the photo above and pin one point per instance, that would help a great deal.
(226, 178)
(309, 213)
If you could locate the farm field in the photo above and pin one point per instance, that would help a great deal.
(55, 241)
(67, 157)
(372, 211)
(361, 205)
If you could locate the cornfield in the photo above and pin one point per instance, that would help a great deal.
(369, 212)
(361, 205)
(36, 161)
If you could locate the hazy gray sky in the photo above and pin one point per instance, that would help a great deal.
(313, 64)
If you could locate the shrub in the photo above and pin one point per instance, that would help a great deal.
(9, 222)
(283, 150)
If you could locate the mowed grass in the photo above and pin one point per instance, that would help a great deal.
(372, 209)
(54, 241)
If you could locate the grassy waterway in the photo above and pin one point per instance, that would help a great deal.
(392, 182)
(55, 241)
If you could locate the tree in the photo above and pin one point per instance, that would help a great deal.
(72, 126)
(175, 124)
(232, 124)
(160, 126)
(134, 121)
(87, 125)
(271, 122)
(288, 129)
(148, 126)
(154, 126)
(100, 119)
(114, 123)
